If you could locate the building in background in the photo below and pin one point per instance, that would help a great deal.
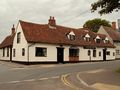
(113, 35)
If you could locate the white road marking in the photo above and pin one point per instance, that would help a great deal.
(13, 82)
(43, 79)
(55, 77)
(29, 80)
(83, 82)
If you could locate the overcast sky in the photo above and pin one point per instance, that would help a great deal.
(72, 13)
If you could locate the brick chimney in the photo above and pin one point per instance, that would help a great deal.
(52, 22)
(13, 30)
(114, 25)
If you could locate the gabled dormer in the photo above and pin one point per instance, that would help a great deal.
(106, 40)
(71, 36)
(87, 37)
(97, 39)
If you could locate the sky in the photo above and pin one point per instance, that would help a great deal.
(70, 13)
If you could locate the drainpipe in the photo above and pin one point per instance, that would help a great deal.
(28, 52)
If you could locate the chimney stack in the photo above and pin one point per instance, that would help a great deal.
(52, 22)
(13, 30)
(114, 25)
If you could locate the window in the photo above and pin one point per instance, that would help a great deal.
(117, 52)
(89, 52)
(7, 51)
(99, 53)
(14, 52)
(23, 52)
(97, 40)
(3, 52)
(108, 53)
(41, 52)
(18, 37)
(106, 41)
(113, 53)
(73, 52)
(72, 37)
(94, 53)
(87, 39)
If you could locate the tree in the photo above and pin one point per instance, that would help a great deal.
(106, 6)
(95, 24)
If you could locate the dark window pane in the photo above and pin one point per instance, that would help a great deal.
(41, 51)
(73, 52)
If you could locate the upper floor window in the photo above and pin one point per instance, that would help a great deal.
(71, 35)
(18, 37)
(87, 37)
(41, 52)
(97, 40)
(106, 40)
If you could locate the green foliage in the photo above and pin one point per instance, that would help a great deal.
(106, 6)
(95, 24)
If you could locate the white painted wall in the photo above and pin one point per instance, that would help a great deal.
(110, 57)
(18, 46)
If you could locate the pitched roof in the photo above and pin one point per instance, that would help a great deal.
(8, 41)
(42, 33)
(114, 34)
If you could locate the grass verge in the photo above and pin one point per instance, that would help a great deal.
(118, 70)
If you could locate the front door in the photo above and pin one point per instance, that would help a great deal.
(104, 54)
(60, 55)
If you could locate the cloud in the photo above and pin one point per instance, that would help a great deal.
(72, 13)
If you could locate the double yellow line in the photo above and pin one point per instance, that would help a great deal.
(65, 81)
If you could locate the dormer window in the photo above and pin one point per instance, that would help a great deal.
(97, 39)
(87, 38)
(71, 36)
(106, 40)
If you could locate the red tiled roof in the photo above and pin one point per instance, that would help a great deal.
(8, 41)
(41, 33)
(114, 34)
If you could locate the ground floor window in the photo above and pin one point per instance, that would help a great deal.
(3, 52)
(14, 52)
(7, 51)
(117, 52)
(23, 52)
(41, 52)
(108, 53)
(73, 52)
(89, 52)
(99, 53)
(94, 53)
(113, 53)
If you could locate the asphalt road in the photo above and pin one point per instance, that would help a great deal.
(31, 78)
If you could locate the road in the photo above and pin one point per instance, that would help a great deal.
(47, 76)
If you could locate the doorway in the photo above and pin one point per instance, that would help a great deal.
(104, 54)
(60, 55)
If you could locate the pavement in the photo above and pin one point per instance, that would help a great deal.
(101, 79)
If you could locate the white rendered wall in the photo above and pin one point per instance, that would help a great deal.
(18, 46)
(110, 57)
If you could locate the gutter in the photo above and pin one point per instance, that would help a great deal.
(28, 52)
